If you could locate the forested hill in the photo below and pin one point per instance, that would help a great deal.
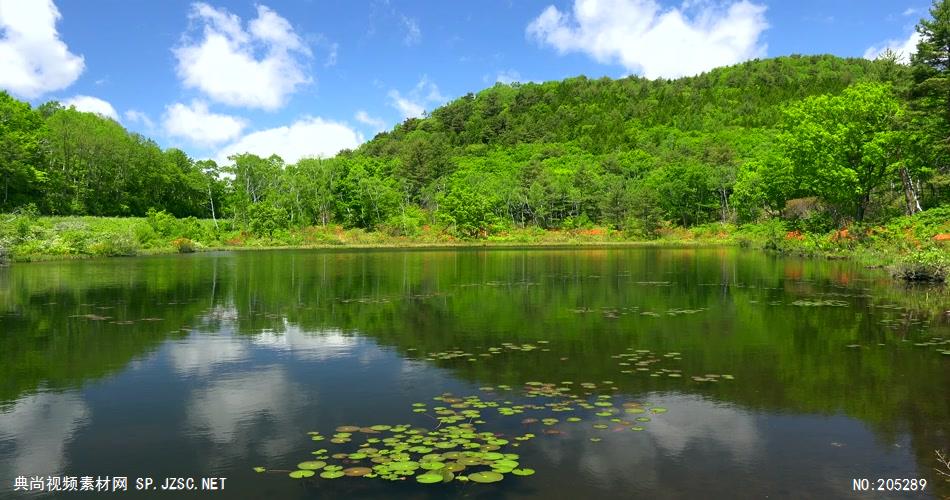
(605, 115)
(629, 153)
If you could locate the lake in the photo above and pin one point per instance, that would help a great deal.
(503, 373)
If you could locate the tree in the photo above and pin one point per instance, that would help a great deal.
(21, 137)
(844, 147)
(930, 66)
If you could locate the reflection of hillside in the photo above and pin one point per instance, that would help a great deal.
(62, 324)
(785, 358)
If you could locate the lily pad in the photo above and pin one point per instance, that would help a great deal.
(430, 478)
(357, 471)
(311, 465)
(523, 472)
(330, 474)
(486, 477)
(300, 474)
(259, 469)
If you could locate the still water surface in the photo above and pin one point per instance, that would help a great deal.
(780, 377)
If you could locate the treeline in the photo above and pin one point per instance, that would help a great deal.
(65, 162)
(820, 141)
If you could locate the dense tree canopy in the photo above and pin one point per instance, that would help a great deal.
(865, 140)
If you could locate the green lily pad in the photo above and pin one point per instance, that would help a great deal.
(454, 467)
(430, 478)
(486, 477)
(259, 469)
(311, 465)
(407, 465)
(300, 474)
(505, 464)
(522, 472)
(330, 474)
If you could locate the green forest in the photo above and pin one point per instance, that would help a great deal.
(799, 145)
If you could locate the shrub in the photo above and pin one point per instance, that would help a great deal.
(145, 234)
(114, 245)
(184, 245)
(162, 222)
(5, 256)
(932, 264)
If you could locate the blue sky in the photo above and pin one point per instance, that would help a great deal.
(304, 78)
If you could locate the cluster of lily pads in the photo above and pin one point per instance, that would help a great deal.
(645, 361)
(820, 303)
(456, 449)
(488, 352)
(939, 343)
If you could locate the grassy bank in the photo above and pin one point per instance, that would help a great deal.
(913, 248)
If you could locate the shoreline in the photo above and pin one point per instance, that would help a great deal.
(460, 245)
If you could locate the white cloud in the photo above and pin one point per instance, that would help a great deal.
(91, 104)
(136, 116)
(33, 60)
(903, 48)
(224, 62)
(195, 123)
(508, 77)
(415, 102)
(413, 33)
(643, 37)
(376, 124)
(407, 107)
(308, 137)
(910, 11)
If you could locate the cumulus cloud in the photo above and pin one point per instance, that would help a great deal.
(414, 103)
(198, 125)
(903, 48)
(136, 116)
(91, 104)
(645, 38)
(33, 60)
(257, 68)
(308, 137)
(376, 124)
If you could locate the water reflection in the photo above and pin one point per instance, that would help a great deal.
(36, 431)
(231, 359)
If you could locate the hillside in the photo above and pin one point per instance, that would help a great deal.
(631, 153)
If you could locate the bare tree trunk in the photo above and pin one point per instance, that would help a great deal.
(211, 199)
(910, 194)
